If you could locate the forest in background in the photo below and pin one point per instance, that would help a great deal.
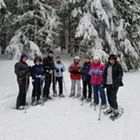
(94, 27)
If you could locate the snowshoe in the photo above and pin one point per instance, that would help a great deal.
(116, 114)
(108, 111)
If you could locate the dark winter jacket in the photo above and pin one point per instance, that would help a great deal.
(48, 64)
(37, 73)
(117, 74)
(21, 70)
(85, 72)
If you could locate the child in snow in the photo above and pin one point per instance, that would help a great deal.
(96, 72)
(112, 80)
(86, 79)
(22, 70)
(37, 73)
(75, 75)
(60, 68)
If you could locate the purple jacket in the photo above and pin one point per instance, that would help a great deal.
(85, 72)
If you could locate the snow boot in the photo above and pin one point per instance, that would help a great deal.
(54, 95)
(83, 98)
(61, 95)
(104, 106)
(88, 100)
(71, 95)
(78, 96)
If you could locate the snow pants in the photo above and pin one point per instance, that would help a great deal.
(75, 83)
(112, 96)
(99, 89)
(60, 83)
(49, 78)
(86, 84)
(23, 87)
(36, 91)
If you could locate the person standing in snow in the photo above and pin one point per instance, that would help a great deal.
(49, 68)
(112, 80)
(60, 68)
(37, 73)
(75, 75)
(96, 72)
(22, 72)
(86, 78)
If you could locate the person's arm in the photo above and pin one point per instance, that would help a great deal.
(18, 72)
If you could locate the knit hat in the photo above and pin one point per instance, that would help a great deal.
(87, 57)
(37, 58)
(112, 56)
(76, 58)
(50, 52)
(58, 57)
(23, 56)
(96, 58)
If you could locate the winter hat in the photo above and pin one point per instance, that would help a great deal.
(23, 56)
(58, 57)
(37, 58)
(76, 58)
(96, 58)
(112, 56)
(88, 57)
(50, 52)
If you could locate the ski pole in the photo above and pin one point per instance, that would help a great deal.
(65, 86)
(99, 118)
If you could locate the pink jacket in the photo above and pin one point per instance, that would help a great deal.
(96, 72)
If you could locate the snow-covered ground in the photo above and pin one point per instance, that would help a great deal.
(65, 119)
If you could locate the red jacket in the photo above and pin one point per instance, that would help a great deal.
(75, 75)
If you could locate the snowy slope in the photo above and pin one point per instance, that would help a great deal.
(65, 119)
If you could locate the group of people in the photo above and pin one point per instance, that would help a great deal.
(93, 73)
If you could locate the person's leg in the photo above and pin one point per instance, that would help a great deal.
(84, 89)
(78, 82)
(109, 90)
(114, 98)
(73, 82)
(33, 92)
(89, 90)
(60, 85)
(38, 88)
(96, 96)
(102, 95)
(47, 86)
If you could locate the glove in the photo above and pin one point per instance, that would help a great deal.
(91, 72)
(75, 71)
(57, 70)
(62, 70)
(96, 71)
(38, 76)
(103, 86)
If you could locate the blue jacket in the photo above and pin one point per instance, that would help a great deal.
(85, 72)
(37, 73)
(60, 68)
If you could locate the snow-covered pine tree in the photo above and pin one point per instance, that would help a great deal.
(108, 26)
(37, 23)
